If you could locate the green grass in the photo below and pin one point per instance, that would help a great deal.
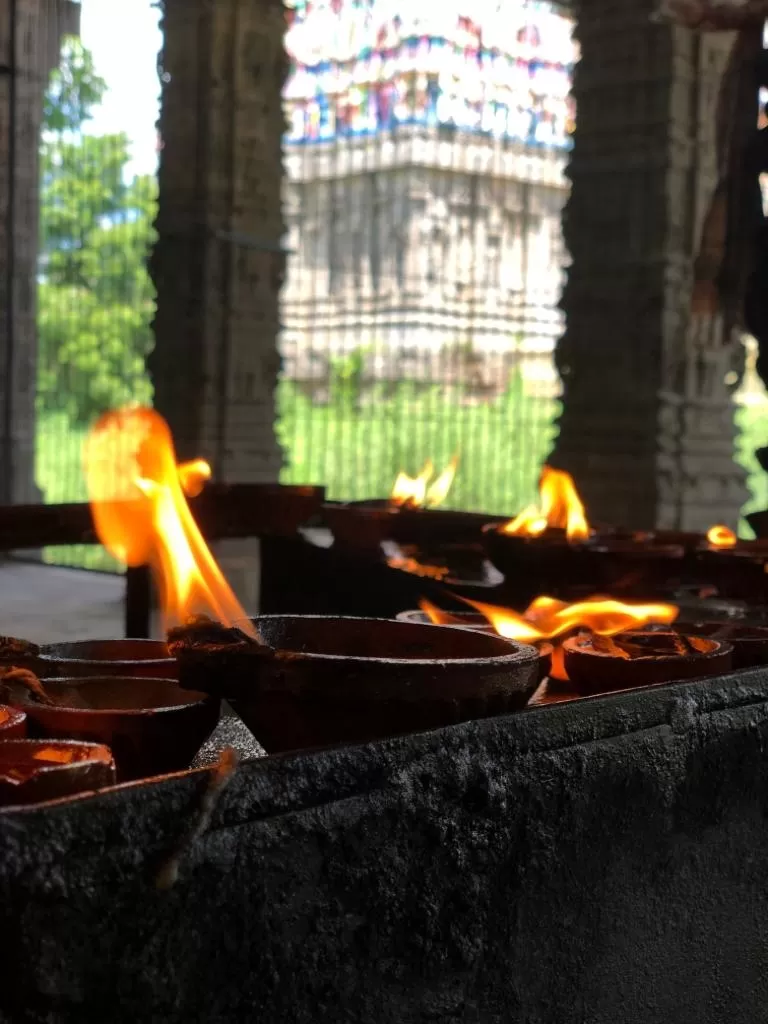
(752, 421)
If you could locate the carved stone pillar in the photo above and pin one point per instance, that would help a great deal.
(647, 423)
(30, 41)
(218, 263)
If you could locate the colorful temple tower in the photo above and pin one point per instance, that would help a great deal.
(425, 153)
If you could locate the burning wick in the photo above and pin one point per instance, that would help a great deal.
(418, 492)
(721, 537)
(142, 517)
(561, 508)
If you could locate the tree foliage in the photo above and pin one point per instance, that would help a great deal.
(95, 297)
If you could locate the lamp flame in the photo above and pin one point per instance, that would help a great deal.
(141, 515)
(721, 537)
(547, 618)
(560, 507)
(418, 492)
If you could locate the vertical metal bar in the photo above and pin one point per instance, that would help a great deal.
(10, 304)
(227, 254)
(138, 603)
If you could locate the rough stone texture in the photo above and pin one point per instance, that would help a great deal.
(232, 733)
(599, 861)
(218, 263)
(29, 50)
(647, 425)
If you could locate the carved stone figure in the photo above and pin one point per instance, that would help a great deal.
(731, 268)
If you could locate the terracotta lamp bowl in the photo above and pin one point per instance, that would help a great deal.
(365, 524)
(359, 528)
(152, 726)
(594, 665)
(13, 723)
(324, 680)
(737, 573)
(476, 621)
(749, 643)
(32, 771)
(124, 658)
(549, 556)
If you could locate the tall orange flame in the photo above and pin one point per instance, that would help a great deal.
(418, 492)
(547, 618)
(721, 537)
(560, 508)
(141, 516)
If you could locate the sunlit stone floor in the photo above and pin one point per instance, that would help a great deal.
(47, 604)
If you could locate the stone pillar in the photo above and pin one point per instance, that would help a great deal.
(30, 44)
(647, 423)
(218, 263)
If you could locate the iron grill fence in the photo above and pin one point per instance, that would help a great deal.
(95, 300)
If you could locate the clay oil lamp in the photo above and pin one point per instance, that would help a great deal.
(152, 726)
(736, 567)
(13, 723)
(430, 613)
(554, 543)
(551, 622)
(310, 681)
(749, 643)
(33, 771)
(703, 603)
(639, 565)
(412, 514)
(360, 528)
(460, 565)
(547, 542)
(123, 657)
(600, 664)
(642, 562)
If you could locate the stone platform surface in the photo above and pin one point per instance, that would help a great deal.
(48, 604)
(594, 862)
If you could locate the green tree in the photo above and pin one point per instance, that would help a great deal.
(95, 297)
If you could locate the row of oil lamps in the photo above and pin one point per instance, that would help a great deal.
(79, 716)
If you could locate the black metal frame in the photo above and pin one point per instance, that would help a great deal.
(223, 511)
